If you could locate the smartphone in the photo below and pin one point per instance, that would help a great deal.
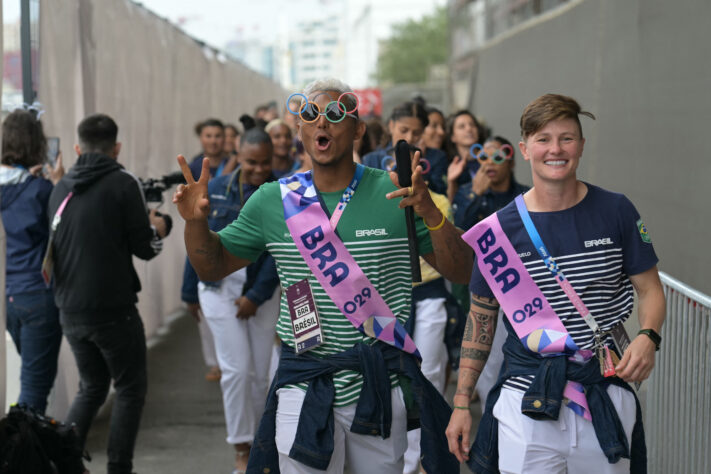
(52, 150)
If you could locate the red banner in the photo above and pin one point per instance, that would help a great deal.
(370, 102)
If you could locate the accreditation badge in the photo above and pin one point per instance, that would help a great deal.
(621, 340)
(304, 318)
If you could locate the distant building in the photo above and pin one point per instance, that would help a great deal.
(316, 50)
(256, 55)
(368, 23)
(341, 39)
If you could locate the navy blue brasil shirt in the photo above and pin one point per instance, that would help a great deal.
(598, 244)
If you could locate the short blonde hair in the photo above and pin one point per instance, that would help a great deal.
(547, 108)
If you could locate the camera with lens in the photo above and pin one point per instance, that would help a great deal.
(153, 189)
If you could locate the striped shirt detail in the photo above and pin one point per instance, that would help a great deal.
(598, 278)
(385, 263)
(374, 232)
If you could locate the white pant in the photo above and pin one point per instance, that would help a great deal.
(566, 445)
(363, 454)
(430, 325)
(207, 342)
(244, 349)
(490, 374)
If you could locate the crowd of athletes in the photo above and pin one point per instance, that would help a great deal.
(236, 316)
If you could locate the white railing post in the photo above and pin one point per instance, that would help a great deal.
(678, 408)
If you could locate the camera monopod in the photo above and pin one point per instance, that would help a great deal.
(403, 160)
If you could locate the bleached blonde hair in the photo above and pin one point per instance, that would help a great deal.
(331, 84)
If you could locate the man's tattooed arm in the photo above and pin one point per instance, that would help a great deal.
(211, 260)
(476, 346)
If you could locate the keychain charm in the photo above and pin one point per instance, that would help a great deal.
(604, 356)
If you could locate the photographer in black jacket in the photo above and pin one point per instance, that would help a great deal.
(100, 221)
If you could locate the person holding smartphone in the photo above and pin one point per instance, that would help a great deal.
(32, 316)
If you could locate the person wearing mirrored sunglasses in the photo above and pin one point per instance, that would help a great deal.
(339, 239)
(493, 185)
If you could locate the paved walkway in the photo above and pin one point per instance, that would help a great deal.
(183, 429)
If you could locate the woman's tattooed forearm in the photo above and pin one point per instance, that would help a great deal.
(476, 342)
(468, 377)
(479, 328)
(474, 354)
(485, 303)
(466, 391)
(484, 328)
(468, 331)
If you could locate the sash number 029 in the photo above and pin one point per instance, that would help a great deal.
(528, 310)
(358, 301)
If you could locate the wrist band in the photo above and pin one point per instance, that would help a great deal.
(652, 334)
(438, 226)
(461, 408)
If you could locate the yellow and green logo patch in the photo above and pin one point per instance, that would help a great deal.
(643, 231)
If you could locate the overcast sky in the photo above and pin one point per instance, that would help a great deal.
(218, 21)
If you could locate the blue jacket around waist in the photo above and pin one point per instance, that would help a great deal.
(226, 201)
(437, 176)
(543, 401)
(313, 445)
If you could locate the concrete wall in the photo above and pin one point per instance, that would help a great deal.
(115, 57)
(641, 66)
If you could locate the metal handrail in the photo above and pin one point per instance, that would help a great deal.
(678, 408)
(688, 291)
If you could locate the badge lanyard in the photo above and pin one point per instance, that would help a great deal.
(240, 184)
(345, 199)
(58, 215)
(607, 365)
(48, 260)
(553, 267)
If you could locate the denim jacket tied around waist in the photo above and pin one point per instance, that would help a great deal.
(313, 445)
(544, 399)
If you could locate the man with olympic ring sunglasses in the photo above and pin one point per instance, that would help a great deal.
(335, 111)
(339, 238)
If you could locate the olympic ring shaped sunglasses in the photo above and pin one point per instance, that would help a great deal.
(502, 154)
(336, 110)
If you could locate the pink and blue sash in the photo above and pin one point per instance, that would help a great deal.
(331, 263)
(533, 319)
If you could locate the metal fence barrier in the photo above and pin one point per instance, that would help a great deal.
(678, 408)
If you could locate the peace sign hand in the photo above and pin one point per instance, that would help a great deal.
(191, 199)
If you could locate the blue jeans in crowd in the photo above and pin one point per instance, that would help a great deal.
(110, 350)
(33, 324)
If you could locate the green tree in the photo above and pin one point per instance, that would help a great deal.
(414, 47)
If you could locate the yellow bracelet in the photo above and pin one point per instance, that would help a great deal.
(438, 226)
(461, 408)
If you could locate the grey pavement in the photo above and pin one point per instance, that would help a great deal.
(183, 428)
